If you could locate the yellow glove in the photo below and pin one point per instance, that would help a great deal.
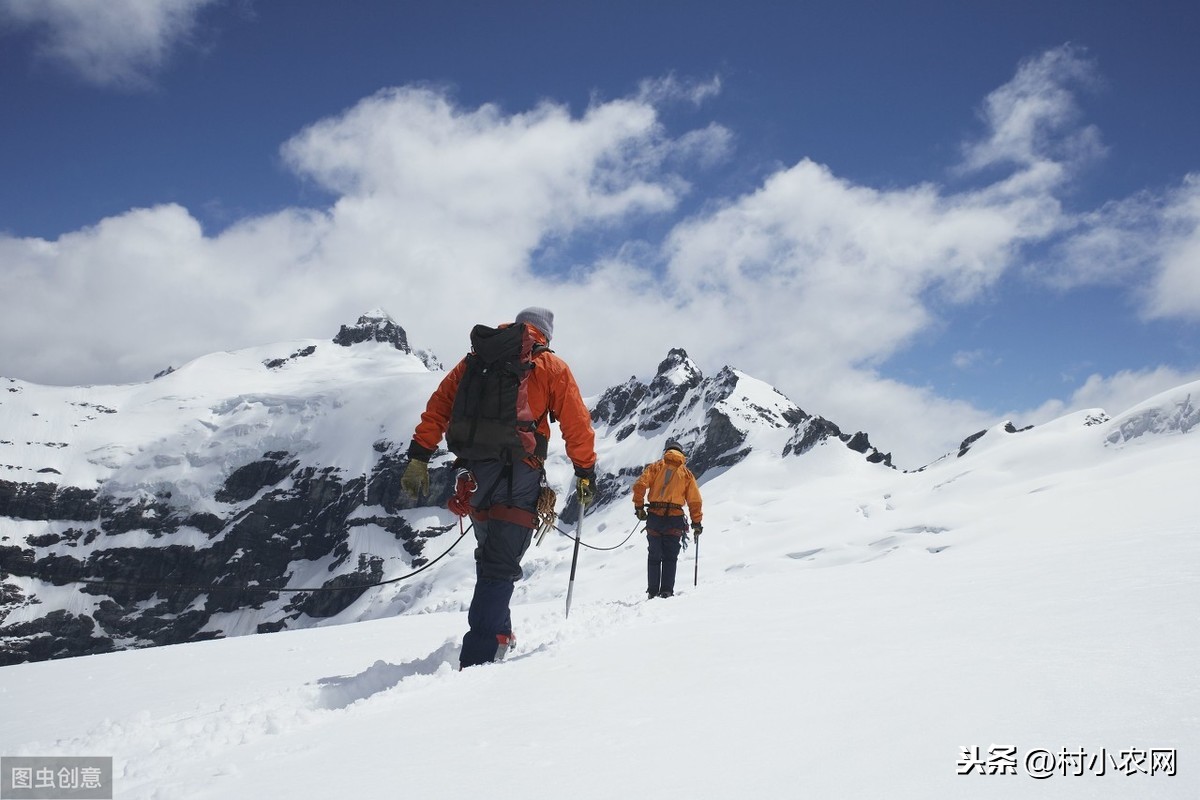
(587, 492)
(415, 480)
(585, 484)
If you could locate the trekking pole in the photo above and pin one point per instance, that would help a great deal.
(696, 575)
(575, 555)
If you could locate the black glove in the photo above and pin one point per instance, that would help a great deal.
(585, 484)
(697, 529)
(640, 512)
(420, 452)
(683, 541)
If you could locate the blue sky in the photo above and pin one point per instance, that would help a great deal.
(915, 219)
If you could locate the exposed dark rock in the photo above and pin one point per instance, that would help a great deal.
(269, 527)
(970, 440)
(618, 402)
(274, 627)
(205, 522)
(276, 363)
(814, 431)
(861, 443)
(153, 516)
(373, 327)
(340, 593)
(245, 482)
(722, 445)
(56, 635)
(46, 501)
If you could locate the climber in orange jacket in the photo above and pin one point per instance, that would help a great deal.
(668, 485)
(506, 483)
(552, 394)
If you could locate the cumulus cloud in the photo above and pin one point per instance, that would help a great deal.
(437, 211)
(110, 43)
(816, 281)
(849, 267)
(413, 152)
(443, 214)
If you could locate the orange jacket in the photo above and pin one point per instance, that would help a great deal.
(671, 483)
(551, 388)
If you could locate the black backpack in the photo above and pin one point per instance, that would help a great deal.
(491, 418)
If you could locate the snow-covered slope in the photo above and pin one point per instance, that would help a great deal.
(269, 466)
(1171, 412)
(1029, 607)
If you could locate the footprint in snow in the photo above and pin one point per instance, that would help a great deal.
(344, 690)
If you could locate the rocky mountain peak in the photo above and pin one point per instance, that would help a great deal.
(374, 326)
(378, 326)
(676, 370)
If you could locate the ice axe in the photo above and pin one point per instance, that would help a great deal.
(578, 537)
(696, 574)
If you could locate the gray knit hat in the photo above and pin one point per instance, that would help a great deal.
(672, 444)
(540, 318)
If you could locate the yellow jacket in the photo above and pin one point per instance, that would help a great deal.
(667, 485)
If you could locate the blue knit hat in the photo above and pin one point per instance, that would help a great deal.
(672, 444)
(540, 318)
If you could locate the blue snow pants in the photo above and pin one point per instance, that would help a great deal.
(663, 539)
(500, 547)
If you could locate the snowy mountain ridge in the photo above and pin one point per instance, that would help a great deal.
(278, 466)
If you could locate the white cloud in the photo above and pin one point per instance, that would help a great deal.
(965, 359)
(1113, 245)
(1149, 242)
(1114, 394)
(529, 174)
(1175, 290)
(848, 267)
(658, 91)
(1032, 119)
(113, 43)
(440, 213)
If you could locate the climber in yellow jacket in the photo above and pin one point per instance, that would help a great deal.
(659, 497)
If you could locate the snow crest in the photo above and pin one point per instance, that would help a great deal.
(1173, 412)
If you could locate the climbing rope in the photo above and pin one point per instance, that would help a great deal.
(571, 536)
